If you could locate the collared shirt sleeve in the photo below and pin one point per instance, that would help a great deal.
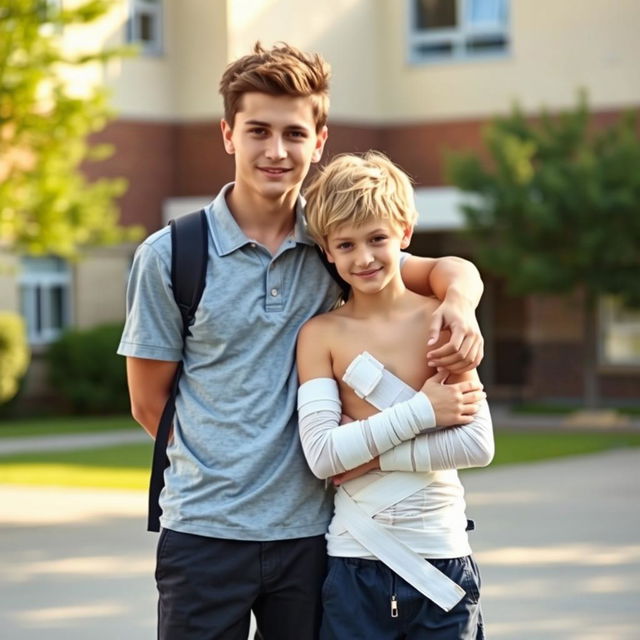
(153, 328)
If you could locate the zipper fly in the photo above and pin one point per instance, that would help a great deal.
(394, 606)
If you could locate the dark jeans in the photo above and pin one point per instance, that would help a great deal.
(357, 599)
(208, 587)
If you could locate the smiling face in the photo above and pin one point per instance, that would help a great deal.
(274, 141)
(368, 256)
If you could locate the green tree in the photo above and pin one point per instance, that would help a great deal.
(47, 206)
(14, 354)
(557, 208)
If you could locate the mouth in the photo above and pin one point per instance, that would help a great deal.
(274, 171)
(369, 273)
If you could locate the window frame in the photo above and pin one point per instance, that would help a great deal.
(608, 307)
(156, 10)
(458, 37)
(35, 299)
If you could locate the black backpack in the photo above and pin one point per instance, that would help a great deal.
(189, 254)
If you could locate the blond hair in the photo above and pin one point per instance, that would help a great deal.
(356, 189)
(282, 70)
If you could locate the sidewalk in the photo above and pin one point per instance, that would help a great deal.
(71, 442)
(556, 542)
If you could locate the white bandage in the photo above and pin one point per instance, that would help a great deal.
(330, 450)
(462, 447)
(380, 388)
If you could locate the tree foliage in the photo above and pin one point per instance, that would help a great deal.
(556, 208)
(14, 354)
(559, 202)
(47, 206)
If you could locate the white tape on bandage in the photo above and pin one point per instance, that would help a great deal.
(380, 388)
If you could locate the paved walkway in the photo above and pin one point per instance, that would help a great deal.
(71, 442)
(557, 543)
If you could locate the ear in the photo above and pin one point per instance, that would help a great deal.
(227, 133)
(407, 233)
(321, 140)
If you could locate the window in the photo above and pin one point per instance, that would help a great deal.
(620, 337)
(45, 288)
(457, 29)
(145, 25)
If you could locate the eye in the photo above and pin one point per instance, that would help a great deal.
(300, 135)
(257, 131)
(379, 239)
(343, 246)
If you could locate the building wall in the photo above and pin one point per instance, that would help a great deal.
(9, 294)
(99, 282)
(168, 143)
(556, 48)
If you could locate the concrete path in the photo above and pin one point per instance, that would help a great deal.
(557, 543)
(71, 442)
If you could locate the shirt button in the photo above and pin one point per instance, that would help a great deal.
(253, 245)
(274, 292)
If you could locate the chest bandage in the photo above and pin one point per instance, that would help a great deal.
(380, 388)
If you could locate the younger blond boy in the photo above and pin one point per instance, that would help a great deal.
(399, 556)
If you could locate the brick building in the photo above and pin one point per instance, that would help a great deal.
(410, 77)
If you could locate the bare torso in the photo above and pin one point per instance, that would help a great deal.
(398, 340)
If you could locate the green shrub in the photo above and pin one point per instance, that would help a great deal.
(14, 354)
(86, 371)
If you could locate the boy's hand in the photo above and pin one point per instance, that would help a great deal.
(356, 472)
(465, 348)
(453, 404)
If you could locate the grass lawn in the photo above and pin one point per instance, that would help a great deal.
(29, 427)
(127, 466)
(119, 467)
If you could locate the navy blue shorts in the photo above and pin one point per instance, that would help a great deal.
(364, 599)
(207, 587)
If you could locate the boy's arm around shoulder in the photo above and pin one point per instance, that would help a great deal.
(457, 284)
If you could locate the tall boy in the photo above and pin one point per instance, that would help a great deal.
(400, 563)
(243, 518)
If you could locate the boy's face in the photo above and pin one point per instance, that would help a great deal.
(274, 141)
(368, 256)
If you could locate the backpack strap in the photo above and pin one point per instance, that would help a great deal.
(333, 272)
(189, 266)
(189, 254)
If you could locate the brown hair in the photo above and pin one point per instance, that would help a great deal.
(354, 189)
(282, 70)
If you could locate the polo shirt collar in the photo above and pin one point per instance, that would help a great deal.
(228, 236)
(300, 230)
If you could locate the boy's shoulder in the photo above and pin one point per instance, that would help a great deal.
(321, 324)
(157, 245)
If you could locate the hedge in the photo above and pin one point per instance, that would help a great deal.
(86, 372)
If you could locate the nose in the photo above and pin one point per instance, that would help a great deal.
(364, 257)
(276, 149)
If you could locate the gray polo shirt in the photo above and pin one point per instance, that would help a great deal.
(237, 470)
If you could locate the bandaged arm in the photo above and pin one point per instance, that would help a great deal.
(331, 450)
(460, 447)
